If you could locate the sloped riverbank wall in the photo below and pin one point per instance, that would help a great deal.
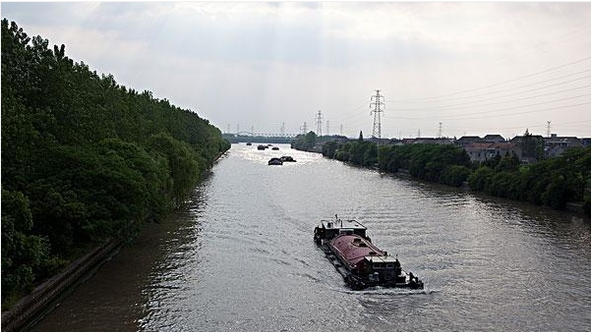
(41, 299)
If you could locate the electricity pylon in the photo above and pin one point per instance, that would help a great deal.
(319, 124)
(377, 106)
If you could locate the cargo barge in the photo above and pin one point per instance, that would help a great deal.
(362, 264)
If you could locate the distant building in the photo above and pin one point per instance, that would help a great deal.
(427, 140)
(493, 138)
(467, 140)
(481, 152)
(532, 147)
(555, 145)
(379, 141)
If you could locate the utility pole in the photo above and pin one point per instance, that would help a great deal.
(377, 106)
(319, 123)
(283, 129)
(439, 133)
(548, 129)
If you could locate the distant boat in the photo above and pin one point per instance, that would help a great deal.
(261, 147)
(248, 143)
(275, 148)
(275, 161)
(287, 158)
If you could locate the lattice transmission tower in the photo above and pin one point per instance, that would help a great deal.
(319, 123)
(377, 106)
(304, 129)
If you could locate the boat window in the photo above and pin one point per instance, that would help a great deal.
(378, 266)
(389, 266)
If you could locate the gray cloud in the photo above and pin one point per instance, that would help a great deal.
(262, 64)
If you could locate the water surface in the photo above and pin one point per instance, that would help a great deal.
(241, 258)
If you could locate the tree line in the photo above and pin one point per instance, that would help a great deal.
(84, 160)
(553, 182)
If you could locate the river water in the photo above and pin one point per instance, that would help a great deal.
(241, 258)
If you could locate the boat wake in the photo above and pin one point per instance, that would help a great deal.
(387, 291)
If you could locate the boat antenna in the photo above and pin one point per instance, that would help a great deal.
(337, 217)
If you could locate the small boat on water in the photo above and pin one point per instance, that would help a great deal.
(275, 161)
(275, 148)
(248, 143)
(261, 147)
(287, 158)
(362, 264)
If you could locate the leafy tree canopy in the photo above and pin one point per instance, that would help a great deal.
(84, 159)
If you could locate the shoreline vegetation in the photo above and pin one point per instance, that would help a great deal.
(559, 182)
(84, 160)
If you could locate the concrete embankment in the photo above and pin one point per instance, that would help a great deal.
(39, 301)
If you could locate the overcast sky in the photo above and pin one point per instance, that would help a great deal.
(449, 68)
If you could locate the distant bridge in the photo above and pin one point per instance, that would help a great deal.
(250, 134)
(245, 136)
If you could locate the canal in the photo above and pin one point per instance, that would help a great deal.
(241, 258)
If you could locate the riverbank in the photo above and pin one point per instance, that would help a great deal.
(562, 182)
(33, 306)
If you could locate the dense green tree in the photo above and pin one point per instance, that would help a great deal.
(22, 254)
(532, 146)
(183, 165)
(509, 163)
(480, 178)
(84, 159)
(455, 175)
(552, 182)
(305, 142)
(329, 149)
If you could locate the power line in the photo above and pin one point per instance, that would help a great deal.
(498, 83)
(487, 94)
(462, 117)
(354, 112)
(480, 104)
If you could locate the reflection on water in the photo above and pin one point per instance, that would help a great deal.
(242, 258)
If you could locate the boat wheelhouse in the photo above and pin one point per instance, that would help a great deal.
(329, 229)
